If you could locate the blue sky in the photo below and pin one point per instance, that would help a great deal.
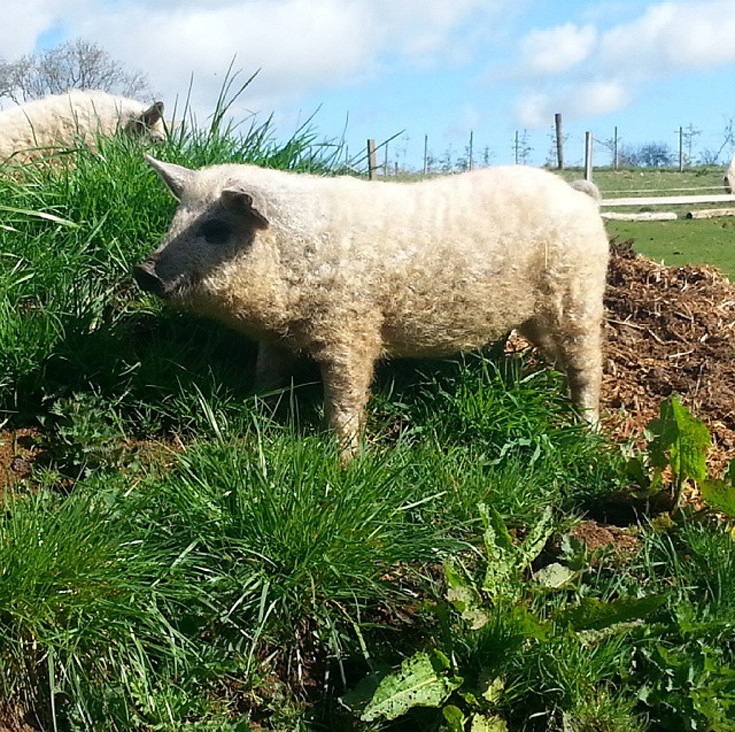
(440, 68)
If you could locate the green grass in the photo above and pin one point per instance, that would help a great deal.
(654, 181)
(185, 556)
(676, 243)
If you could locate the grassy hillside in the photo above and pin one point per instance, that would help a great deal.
(178, 554)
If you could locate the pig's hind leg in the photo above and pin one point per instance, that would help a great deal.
(574, 345)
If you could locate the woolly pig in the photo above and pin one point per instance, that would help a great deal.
(65, 120)
(729, 179)
(348, 271)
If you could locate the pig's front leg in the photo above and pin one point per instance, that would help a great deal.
(347, 377)
(273, 367)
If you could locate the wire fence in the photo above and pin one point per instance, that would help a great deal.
(684, 146)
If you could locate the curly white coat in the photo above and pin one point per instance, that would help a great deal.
(349, 271)
(64, 121)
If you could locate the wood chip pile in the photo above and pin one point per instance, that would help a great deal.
(669, 329)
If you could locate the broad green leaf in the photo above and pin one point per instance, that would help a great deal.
(483, 723)
(438, 660)
(454, 718)
(528, 625)
(502, 557)
(357, 698)
(555, 576)
(465, 598)
(469, 698)
(689, 453)
(637, 470)
(719, 495)
(593, 614)
(421, 682)
(497, 536)
(679, 439)
(494, 691)
(537, 537)
(661, 433)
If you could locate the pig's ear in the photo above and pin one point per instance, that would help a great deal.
(152, 115)
(176, 177)
(242, 202)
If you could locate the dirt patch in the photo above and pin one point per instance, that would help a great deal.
(11, 718)
(596, 537)
(669, 330)
(19, 450)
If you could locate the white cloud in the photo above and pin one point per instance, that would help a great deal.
(554, 50)
(597, 63)
(599, 97)
(466, 118)
(536, 110)
(302, 46)
(422, 29)
(584, 70)
(21, 27)
(295, 42)
(672, 37)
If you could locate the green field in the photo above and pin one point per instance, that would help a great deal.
(179, 554)
(697, 242)
(693, 241)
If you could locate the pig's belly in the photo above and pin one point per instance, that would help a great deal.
(442, 331)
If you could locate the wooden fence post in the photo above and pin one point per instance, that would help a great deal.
(681, 149)
(559, 141)
(588, 156)
(372, 158)
(616, 155)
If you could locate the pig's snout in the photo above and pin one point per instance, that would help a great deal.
(147, 279)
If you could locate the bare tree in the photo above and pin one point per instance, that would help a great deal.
(76, 64)
(522, 148)
(648, 155)
(728, 134)
(613, 145)
(688, 135)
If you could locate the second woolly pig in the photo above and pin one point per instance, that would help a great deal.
(63, 121)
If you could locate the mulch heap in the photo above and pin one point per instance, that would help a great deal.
(669, 330)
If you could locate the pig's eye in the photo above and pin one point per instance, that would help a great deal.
(215, 232)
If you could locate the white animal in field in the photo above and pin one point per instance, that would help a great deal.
(348, 271)
(65, 121)
(729, 180)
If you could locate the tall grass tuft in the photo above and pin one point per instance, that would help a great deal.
(87, 610)
(300, 549)
(69, 311)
